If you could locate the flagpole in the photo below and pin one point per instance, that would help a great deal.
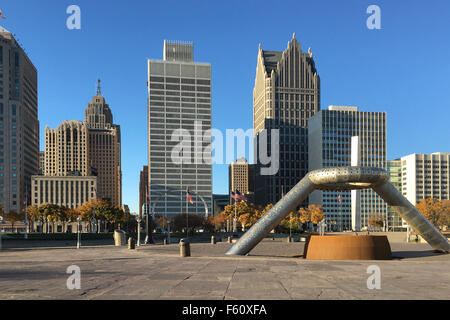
(187, 220)
(187, 216)
(26, 213)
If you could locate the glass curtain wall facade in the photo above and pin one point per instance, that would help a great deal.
(330, 133)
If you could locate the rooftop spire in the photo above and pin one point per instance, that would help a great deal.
(99, 89)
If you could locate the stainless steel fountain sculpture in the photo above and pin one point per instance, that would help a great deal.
(341, 178)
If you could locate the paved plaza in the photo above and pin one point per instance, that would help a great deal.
(273, 270)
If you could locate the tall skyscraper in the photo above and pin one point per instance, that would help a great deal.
(66, 149)
(104, 148)
(79, 150)
(179, 109)
(143, 191)
(285, 96)
(330, 133)
(19, 125)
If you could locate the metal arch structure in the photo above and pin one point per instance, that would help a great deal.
(166, 192)
(341, 178)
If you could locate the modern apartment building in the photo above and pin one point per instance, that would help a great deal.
(179, 115)
(19, 125)
(286, 94)
(330, 133)
(426, 176)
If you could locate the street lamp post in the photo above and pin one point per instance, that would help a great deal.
(138, 231)
(168, 231)
(78, 233)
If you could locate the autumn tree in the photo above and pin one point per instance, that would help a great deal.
(48, 212)
(314, 213)
(292, 221)
(246, 213)
(162, 221)
(437, 212)
(33, 214)
(13, 217)
(180, 222)
(114, 215)
(208, 224)
(376, 221)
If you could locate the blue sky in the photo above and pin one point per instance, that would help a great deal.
(402, 69)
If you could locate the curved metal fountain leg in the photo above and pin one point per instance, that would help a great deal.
(272, 218)
(412, 216)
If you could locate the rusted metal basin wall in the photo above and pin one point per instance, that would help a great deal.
(348, 248)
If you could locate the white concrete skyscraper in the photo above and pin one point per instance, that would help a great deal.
(179, 101)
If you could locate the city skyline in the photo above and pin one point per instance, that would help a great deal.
(380, 65)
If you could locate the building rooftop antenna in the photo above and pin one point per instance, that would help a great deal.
(99, 89)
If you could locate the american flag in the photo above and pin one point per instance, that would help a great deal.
(2, 15)
(188, 196)
(339, 198)
(240, 196)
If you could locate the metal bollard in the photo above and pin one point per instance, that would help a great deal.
(213, 240)
(131, 244)
(185, 248)
(229, 240)
(289, 239)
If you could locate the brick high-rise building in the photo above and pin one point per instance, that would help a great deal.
(104, 147)
(19, 130)
(285, 96)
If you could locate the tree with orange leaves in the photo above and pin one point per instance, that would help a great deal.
(437, 212)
